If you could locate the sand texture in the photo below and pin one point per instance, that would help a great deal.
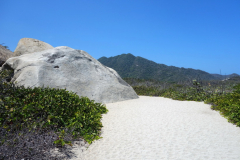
(156, 128)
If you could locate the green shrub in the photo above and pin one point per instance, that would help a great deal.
(228, 105)
(35, 120)
(148, 91)
(176, 91)
(56, 107)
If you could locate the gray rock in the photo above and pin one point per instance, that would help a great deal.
(30, 45)
(4, 54)
(75, 70)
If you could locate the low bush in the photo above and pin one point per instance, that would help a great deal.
(228, 105)
(45, 110)
(176, 91)
(149, 91)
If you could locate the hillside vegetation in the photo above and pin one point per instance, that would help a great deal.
(129, 66)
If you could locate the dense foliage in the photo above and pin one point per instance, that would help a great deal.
(228, 105)
(129, 66)
(61, 114)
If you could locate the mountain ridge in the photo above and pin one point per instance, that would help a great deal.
(130, 66)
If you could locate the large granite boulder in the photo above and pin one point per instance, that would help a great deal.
(30, 45)
(75, 70)
(4, 54)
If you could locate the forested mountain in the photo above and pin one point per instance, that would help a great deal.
(129, 66)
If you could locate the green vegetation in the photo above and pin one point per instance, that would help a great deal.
(224, 96)
(58, 112)
(228, 104)
(129, 66)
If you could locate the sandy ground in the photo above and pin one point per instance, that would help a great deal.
(156, 128)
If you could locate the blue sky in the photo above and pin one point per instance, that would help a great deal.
(198, 34)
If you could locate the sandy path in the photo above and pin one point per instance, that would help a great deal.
(156, 128)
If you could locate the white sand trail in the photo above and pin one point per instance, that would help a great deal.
(156, 128)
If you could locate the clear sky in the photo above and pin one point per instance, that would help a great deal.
(198, 34)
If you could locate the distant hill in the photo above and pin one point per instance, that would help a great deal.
(129, 66)
(222, 77)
